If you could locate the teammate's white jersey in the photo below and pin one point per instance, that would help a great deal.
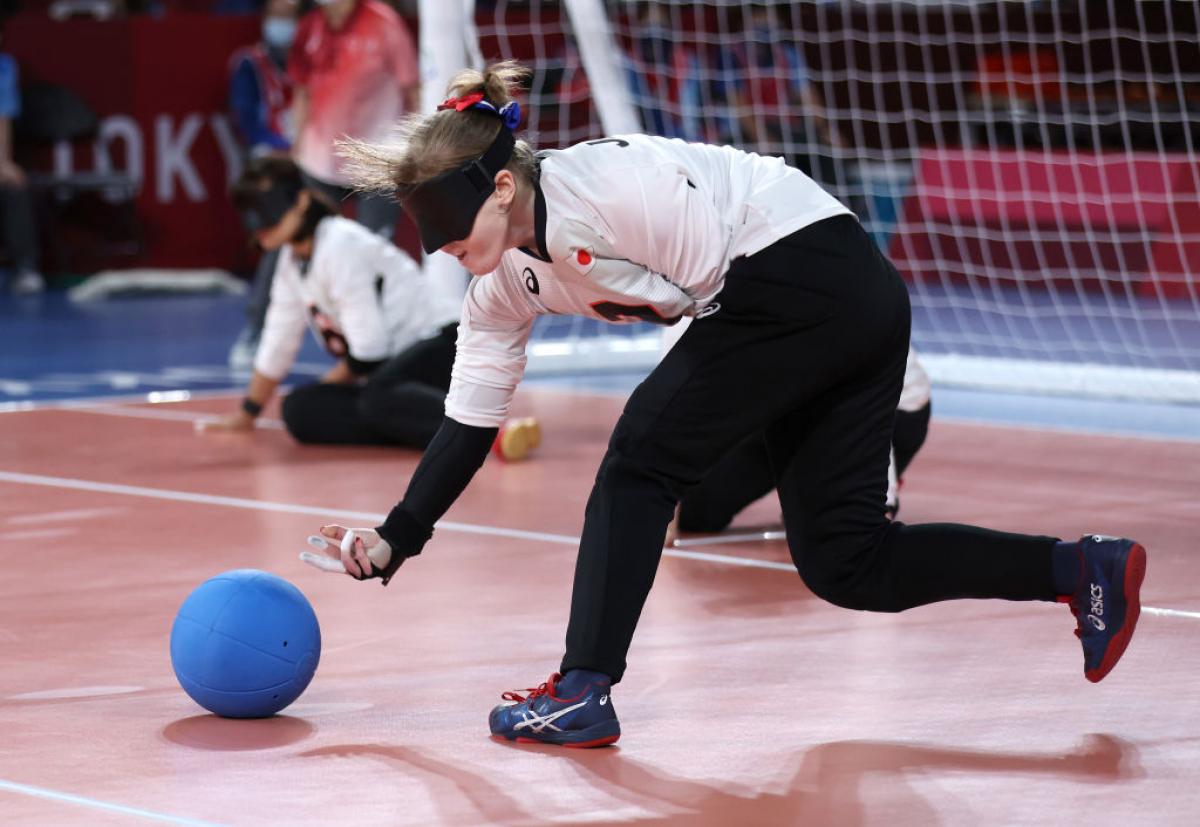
(917, 388)
(360, 295)
(630, 228)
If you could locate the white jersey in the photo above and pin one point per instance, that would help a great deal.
(630, 228)
(361, 296)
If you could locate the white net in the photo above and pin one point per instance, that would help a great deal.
(559, 111)
(1031, 168)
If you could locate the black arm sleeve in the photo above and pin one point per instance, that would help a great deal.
(449, 463)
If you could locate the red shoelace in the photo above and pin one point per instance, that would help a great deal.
(1073, 602)
(546, 688)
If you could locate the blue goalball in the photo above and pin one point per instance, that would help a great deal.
(245, 644)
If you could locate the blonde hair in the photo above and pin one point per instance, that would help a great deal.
(423, 146)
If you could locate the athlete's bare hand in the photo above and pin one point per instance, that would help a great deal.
(357, 549)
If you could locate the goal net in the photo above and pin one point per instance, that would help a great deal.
(1031, 168)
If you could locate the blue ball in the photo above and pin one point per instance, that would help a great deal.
(245, 644)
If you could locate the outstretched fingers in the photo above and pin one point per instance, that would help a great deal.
(326, 558)
(340, 555)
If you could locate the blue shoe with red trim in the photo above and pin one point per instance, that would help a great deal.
(585, 720)
(1107, 602)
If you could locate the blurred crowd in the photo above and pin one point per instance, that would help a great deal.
(322, 69)
(319, 71)
(110, 9)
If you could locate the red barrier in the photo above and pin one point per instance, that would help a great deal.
(1052, 217)
(160, 87)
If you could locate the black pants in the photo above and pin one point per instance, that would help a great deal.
(823, 310)
(401, 403)
(744, 474)
(16, 223)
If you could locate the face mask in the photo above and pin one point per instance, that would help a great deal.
(278, 32)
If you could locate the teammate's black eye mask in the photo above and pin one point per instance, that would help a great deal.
(261, 209)
(444, 207)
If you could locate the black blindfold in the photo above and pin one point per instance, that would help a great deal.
(444, 208)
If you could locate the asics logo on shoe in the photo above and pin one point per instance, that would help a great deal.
(538, 723)
(603, 700)
(1094, 617)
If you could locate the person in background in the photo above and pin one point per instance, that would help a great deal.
(778, 106)
(354, 69)
(367, 302)
(663, 75)
(260, 90)
(16, 207)
(260, 99)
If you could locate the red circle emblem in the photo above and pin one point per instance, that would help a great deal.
(583, 257)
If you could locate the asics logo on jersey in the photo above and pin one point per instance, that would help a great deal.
(538, 723)
(708, 310)
(531, 282)
(603, 700)
(1094, 617)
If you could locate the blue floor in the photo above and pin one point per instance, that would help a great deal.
(54, 349)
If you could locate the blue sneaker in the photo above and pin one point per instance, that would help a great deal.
(1107, 602)
(586, 720)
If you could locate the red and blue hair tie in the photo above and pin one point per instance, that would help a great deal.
(510, 113)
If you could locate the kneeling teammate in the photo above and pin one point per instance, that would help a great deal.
(367, 303)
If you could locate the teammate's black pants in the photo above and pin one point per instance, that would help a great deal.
(744, 474)
(401, 403)
(824, 308)
(17, 231)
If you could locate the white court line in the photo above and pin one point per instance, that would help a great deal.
(41, 792)
(728, 559)
(1169, 612)
(63, 516)
(155, 397)
(161, 397)
(724, 539)
(534, 384)
(37, 534)
(180, 416)
(366, 516)
(445, 525)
